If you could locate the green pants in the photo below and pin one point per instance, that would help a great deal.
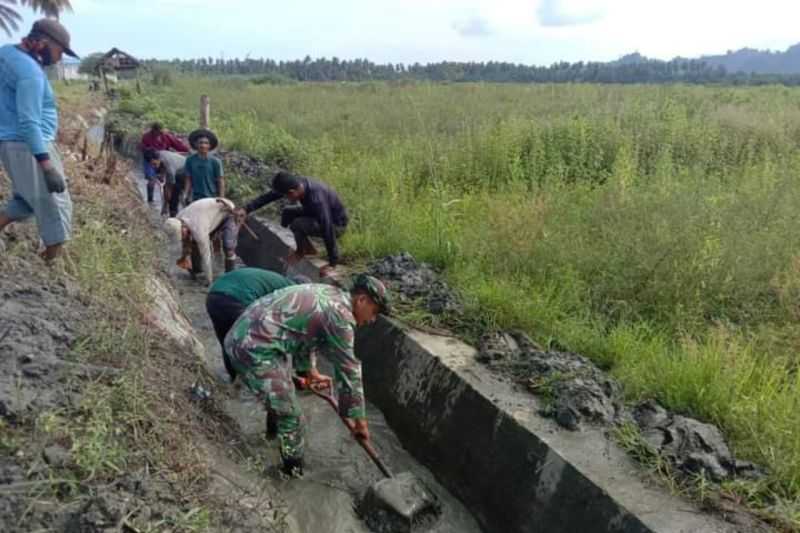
(272, 381)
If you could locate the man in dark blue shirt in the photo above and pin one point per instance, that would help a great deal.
(320, 214)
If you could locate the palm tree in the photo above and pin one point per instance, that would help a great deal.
(50, 8)
(9, 18)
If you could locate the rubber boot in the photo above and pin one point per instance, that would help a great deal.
(292, 466)
(272, 426)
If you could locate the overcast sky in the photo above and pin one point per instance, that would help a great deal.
(525, 31)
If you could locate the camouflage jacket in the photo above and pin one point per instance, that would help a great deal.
(296, 320)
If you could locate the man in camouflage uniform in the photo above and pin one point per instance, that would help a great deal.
(289, 324)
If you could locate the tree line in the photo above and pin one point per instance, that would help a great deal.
(640, 70)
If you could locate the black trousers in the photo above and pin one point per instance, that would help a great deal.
(224, 311)
(304, 227)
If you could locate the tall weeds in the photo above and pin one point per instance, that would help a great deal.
(652, 228)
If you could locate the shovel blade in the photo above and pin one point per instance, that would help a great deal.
(400, 504)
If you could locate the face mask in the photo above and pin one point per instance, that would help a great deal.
(46, 57)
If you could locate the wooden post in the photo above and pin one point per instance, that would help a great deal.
(205, 111)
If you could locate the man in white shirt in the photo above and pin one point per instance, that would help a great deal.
(193, 227)
(169, 169)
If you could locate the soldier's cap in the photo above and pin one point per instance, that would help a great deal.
(375, 289)
(56, 32)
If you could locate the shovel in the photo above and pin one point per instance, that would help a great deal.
(399, 503)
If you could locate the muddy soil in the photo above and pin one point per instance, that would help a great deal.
(337, 470)
(44, 316)
(414, 282)
(575, 392)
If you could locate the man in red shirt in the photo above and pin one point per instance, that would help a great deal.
(159, 139)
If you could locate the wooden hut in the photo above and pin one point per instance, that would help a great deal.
(120, 63)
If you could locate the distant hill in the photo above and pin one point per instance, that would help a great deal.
(746, 60)
(759, 61)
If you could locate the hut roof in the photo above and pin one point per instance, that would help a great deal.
(116, 59)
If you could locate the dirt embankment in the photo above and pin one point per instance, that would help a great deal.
(98, 429)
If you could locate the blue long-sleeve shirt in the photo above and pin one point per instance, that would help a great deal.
(28, 111)
(319, 202)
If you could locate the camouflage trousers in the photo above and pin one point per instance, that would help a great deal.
(271, 380)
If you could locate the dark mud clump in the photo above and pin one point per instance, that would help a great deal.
(691, 446)
(402, 504)
(574, 390)
(413, 282)
(247, 165)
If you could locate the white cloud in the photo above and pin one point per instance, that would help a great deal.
(473, 27)
(569, 12)
(526, 31)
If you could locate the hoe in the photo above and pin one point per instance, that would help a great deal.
(400, 503)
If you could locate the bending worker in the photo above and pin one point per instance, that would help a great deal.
(193, 226)
(168, 168)
(158, 139)
(320, 214)
(233, 292)
(288, 324)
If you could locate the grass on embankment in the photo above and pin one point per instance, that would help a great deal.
(138, 426)
(653, 229)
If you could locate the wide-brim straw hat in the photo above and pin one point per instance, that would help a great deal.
(196, 135)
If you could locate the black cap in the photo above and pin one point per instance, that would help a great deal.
(53, 29)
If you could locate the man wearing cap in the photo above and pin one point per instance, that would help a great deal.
(277, 329)
(28, 126)
(204, 177)
(233, 292)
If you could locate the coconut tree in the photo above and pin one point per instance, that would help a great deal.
(49, 8)
(9, 18)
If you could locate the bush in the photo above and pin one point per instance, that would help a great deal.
(163, 76)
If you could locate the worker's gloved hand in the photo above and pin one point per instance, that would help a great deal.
(360, 429)
(54, 179)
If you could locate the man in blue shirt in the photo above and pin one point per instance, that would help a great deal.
(28, 125)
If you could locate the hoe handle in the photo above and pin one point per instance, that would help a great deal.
(367, 445)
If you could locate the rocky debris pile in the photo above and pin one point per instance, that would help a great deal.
(411, 282)
(574, 390)
(691, 446)
(246, 165)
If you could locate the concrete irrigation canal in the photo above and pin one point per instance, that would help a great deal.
(495, 464)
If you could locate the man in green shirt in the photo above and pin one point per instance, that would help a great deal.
(233, 292)
(204, 176)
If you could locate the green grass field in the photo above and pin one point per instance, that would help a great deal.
(652, 228)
